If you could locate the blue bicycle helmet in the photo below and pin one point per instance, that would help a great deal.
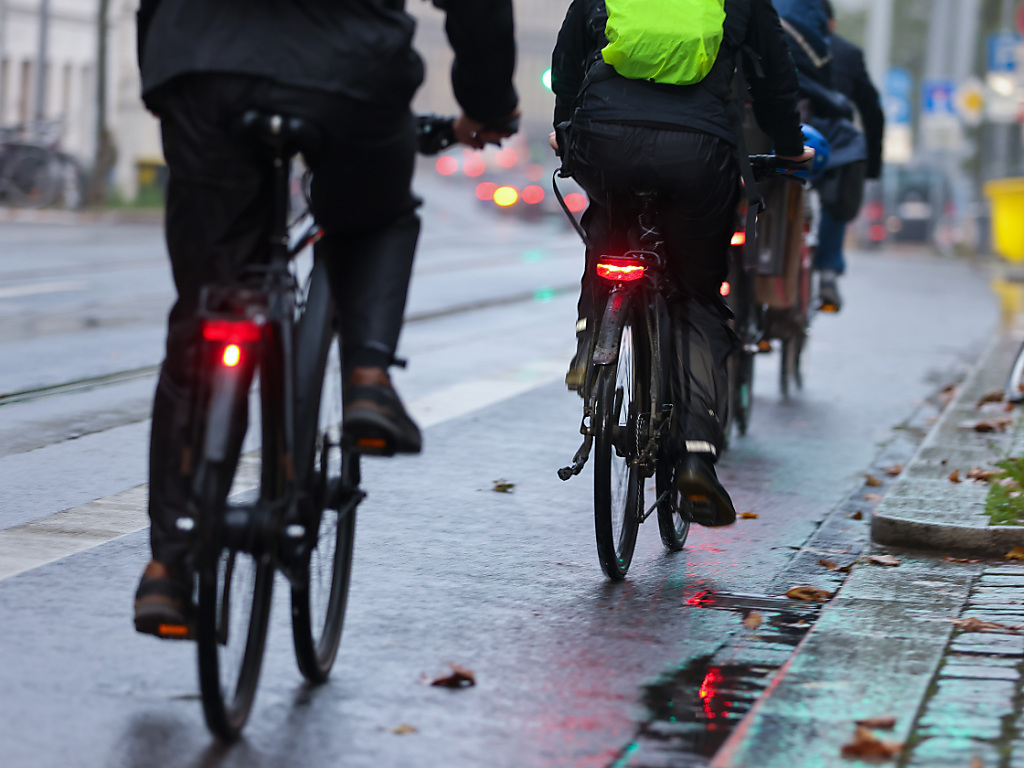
(816, 140)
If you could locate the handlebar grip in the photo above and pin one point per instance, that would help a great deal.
(434, 133)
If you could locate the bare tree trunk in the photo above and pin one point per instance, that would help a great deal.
(106, 151)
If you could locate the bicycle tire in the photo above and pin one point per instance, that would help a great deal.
(230, 632)
(673, 524)
(741, 390)
(29, 179)
(318, 605)
(621, 402)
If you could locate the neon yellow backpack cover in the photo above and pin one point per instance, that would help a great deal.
(667, 41)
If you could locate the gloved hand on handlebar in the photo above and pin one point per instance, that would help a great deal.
(478, 135)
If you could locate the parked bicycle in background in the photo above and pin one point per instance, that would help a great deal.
(35, 172)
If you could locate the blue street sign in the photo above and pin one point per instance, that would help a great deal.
(937, 98)
(1002, 52)
(899, 88)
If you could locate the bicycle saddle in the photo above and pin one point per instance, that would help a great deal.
(277, 131)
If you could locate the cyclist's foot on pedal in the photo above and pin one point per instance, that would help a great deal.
(705, 498)
(163, 604)
(828, 291)
(375, 420)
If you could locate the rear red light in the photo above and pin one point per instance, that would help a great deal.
(231, 331)
(533, 195)
(739, 238)
(875, 211)
(877, 232)
(232, 355)
(726, 289)
(620, 271)
(576, 202)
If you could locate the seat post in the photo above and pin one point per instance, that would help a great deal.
(282, 191)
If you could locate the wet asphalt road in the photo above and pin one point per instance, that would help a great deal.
(446, 570)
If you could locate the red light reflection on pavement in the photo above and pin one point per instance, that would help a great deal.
(701, 599)
(708, 693)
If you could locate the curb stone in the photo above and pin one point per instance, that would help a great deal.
(924, 509)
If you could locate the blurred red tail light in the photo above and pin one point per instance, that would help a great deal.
(620, 270)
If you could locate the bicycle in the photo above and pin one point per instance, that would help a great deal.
(272, 337)
(35, 172)
(767, 271)
(628, 413)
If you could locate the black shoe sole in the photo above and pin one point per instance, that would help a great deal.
(371, 433)
(160, 620)
(707, 505)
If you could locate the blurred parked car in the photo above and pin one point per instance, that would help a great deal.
(907, 205)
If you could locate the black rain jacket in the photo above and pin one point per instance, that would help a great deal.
(358, 48)
(750, 25)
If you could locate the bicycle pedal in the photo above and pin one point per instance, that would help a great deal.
(373, 446)
(764, 346)
(829, 308)
(175, 632)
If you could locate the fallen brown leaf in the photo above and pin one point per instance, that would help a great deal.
(866, 744)
(403, 729)
(753, 621)
(857, 516)
(809, 594)
(976, 762)
(872, 481)
(977, 625)
(885, 723)
(884, 560)
(459, 677)
(748, 516)
(894, 470)
(872, 497)
(503, 486)
(949, 559)
(1017, 553)
(992, 425)
(995, 396)
(954, 476)
(828, 564)
(983, 475)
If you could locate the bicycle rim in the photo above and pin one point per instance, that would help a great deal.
(318, 607)
(231, 629)
(673, 524)
(618, 485)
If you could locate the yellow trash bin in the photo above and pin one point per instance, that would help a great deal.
(1007, 197)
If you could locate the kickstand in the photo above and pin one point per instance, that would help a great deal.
(579, 460)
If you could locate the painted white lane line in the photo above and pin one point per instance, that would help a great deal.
(37, 289)
(75, 530)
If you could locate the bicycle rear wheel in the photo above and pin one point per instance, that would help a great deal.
(318, 605)
(673, 523)
(30, 178)
(622, 408)
(236, 577)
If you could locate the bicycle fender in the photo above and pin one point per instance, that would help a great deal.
(220, 414)
(609, 334)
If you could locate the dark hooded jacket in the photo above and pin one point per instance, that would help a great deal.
(750, 25)
(358, 48)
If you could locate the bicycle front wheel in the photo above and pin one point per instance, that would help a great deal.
(621, 413)
(318, 606)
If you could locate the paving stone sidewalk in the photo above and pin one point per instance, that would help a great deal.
(936, 642)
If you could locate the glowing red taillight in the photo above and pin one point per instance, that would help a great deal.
(231, 331)
(726, 289)
(232, 355)
(739, 238)
(620, 271)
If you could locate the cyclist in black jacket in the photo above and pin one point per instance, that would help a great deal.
(348, 69)
(680, 141)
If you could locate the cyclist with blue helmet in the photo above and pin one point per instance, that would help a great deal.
(619, 130)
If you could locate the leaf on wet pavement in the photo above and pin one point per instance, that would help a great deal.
(950, 559)
(983, 475)
(894, 470)
(872, 481)
(503, 486)
(753, 620)
(809, 594)
(866, 745)
(954, 476)
(857, 516)
(884, 560)
(886, 723)
(1017, 553)
(748, 516)
(977, 625)
(872, 497)
(995, 396)
(833, 566)
(998, 424)
(976, 762)
(459, 677)
(403, 729)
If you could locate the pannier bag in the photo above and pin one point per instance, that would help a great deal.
(665, 41)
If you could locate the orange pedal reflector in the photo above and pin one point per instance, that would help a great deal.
(697, 499)
(372, 442)
(832, 308)
(173, 630)
(764, 345)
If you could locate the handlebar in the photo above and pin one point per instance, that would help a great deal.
(766, 166)
(435, 133)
